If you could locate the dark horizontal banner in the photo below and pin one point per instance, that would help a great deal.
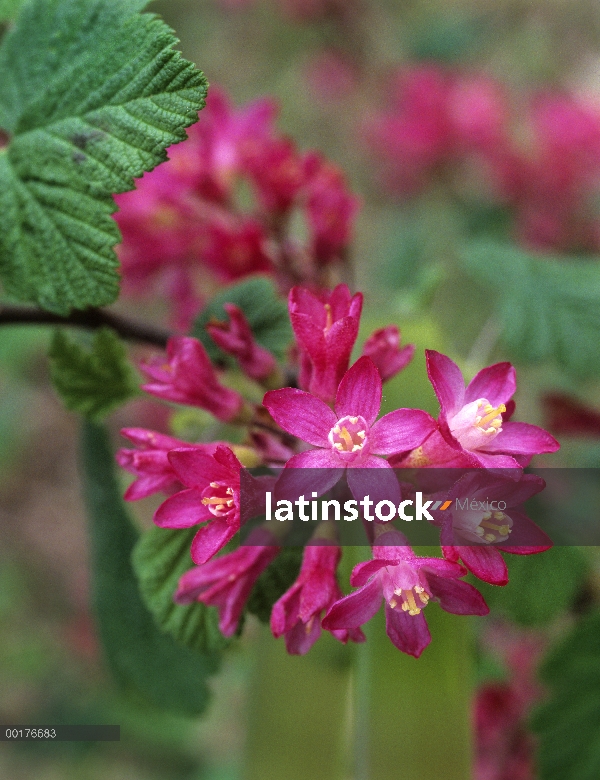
(506, 508)
(81, 733)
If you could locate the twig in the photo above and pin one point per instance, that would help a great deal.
(90, 318)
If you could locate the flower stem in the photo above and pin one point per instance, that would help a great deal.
(296, 712)
(418, 713)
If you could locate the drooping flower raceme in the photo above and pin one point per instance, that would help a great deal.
(327, 426)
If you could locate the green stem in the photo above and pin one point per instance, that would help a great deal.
(419, 721)
(297, 712)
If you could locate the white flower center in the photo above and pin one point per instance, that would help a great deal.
(349, 435)
(477, 423)
(218, 497)
(487, 527)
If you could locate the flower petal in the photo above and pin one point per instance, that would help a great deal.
(359, 392)
(301, 414)
(447, 381)
(363, 571)
(457, 596)
(401, 430)
(211, 538)
(497, 383)
(356, 609)
(518, 438)
(374, 477)
(485, 562)
(196, 469)
(182, 510)
(307, 472)
(409, 633)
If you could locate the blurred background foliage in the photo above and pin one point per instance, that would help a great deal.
(417, 260)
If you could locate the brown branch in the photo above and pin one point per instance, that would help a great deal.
(90, 318)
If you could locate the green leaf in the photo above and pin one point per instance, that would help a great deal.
(144, 661)
(92, 383)
(160, 558)
(274, 582)
(92, 93)
(549, 308)
(264, 309)
(9, 9)
(568, 724)
(540, 586)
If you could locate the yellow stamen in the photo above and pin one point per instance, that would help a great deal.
(347, 438)
(490, 415)
(412, 605)
(213, 500)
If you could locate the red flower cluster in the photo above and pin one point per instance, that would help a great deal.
(328, 426)
(187, 221)
(443, 123)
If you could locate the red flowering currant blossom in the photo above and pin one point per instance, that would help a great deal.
(188, 377)
(569, 417)
(236, 338)
(471, 418)
(276, 171)
(297, 614)
(325, 328)
(150, 462)
(436, 117)
(407, 583)
(234, 248)
(227, 581)
(383, 347)
(213, 495)
(349, 436)
(330, 208)
(468, 534)
(504, 745)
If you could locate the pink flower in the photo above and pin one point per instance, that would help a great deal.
(297, 614)
(188, 377)
(221, 141)
(326, 328)
(469, 534)
(383, 347)
(236, 338)
(437, 117)
(213, 494)
(330, 208)
(226, 582)
(150, 462)
(407, 583)
(471, 419)
(569, 417)
(349, 436)
(234, 249)
(277, 172)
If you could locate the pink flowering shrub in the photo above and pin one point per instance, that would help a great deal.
(538, 155)
(187, 227)
(326, 427)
